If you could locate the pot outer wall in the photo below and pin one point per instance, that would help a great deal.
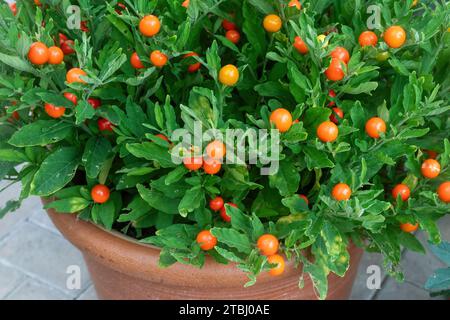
(124, 269)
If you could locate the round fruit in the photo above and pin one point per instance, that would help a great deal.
(38, 53)
(55, 55)
(295, 3)
(334, 71)
(382, 56)
(195, 66)
(149, 25)
(444, 191)
(67, 47)
(94, 102)
(223, 212)
(374, 126)
(336, 115)
(402, 190)
(62, 38)
(408, 227)
(431, 154)
(233, 36)
(136, 61)
(13, 7)
(216, 150)
(268, 244)
(395, 36)
(340, 53)
(84, 26)
(341, 191)
(300, 45)
(206, 240)
(304, 198)
(104, 125)
(53, 111)
(368, 38)
(272, 23)
(279, 261)
(158, 58)
(15, 115)
(37, 2)
(163, 137)
(332, 94)
(327, 131)
(73, 75)
(100, 193)
(228, 25)
(71, 97)
(193, 163)
(282, 119)
(185, 3)
(211, 166)
(229, 75)
(430, 168)
(216, 204)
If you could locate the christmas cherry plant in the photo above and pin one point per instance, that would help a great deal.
(88, 116)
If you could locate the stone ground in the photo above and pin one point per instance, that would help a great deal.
(34, 260)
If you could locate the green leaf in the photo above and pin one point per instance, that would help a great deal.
(68, 205)
(57, 170)
(11, 155)
(410, 242)
(287, 179)
(83, 111)
(151, 151)
(17, 63)
(227, 254)
(41, 133)
(96, 152)
(366, 87)
(316, 158)
(158, 201)
(175, 175)
(105, 212)
(190, 201)
(233, 239)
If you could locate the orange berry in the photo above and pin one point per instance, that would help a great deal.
(268, 244)
(408, 227)
(282, 119)
(430, 168)
(149, 25)
(395, 36)
(374, 126)
(158, 58)
(279, 261)
(341, 192)
(327, 131)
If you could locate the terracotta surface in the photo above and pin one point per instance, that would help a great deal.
(122, 268)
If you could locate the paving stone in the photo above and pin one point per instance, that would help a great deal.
(42, 254)
(360, 290)
(29, 206)
(41, 218)
(444, 226)
(34, 290)
(89, 294)
(392, 290)
(10, 278)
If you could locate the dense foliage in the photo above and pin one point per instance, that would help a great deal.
(96, 138)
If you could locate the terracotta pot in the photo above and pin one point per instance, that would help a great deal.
(122, 268)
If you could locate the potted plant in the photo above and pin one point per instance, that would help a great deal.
(120, 114)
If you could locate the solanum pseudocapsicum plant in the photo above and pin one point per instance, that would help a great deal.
(363, 117)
